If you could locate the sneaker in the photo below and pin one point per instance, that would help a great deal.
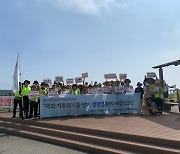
(13, 116)
(32, 118)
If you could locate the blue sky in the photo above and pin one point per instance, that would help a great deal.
(70, 37)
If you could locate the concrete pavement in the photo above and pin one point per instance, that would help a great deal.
(15, 145)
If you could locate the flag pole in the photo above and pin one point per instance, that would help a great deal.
(21, 87)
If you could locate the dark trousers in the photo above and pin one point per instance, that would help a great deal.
(26, 105)
(33, 107)
(16, 102)
(159, 103)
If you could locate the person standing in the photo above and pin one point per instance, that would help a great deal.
(158, 95)
(43, 92)
(128, 88)
(34, 103)
(17, 100)
(139, 89)
(74, 90)
(25, 91)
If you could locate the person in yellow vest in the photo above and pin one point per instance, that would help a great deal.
(25, 91)
(43, 89)
(34, 103)
(75, 90)
(158, 95)
(17, 100)
(43, 92)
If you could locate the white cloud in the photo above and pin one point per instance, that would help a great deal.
(91, 7)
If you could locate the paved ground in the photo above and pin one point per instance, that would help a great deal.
(161, 126)
(16, 145)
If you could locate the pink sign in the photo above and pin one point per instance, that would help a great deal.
(122, 76)
(69, 81)
(110, 76)
(6, 102)
(78, 80)
(85, 75)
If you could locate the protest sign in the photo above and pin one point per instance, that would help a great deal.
(91, 91)
(78, 80)
(6, 102)
(119, 90)
(110, 76)
(70, 105)
(122, 76)
(59, 78)
(69, 81)
(53, 94)
(106, 90)
(33, 94)
(84, 75)
(151, 75)
(47, 81)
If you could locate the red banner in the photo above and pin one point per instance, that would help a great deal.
(6, 102)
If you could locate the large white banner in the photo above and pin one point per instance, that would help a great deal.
(6, 102)
(70, 105)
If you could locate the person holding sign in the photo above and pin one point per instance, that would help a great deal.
(33, 97)
(106, 89)
(128, 88)
(119, 89)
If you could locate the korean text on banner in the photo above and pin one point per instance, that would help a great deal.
(70, 105)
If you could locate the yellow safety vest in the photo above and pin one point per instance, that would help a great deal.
(158, 93)
(26, 90)
(75, 92)
(17, 94)
(43, 91)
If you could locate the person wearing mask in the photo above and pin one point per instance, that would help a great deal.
(17, 100)
(25, 91)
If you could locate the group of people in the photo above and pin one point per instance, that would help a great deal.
(29, 107)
